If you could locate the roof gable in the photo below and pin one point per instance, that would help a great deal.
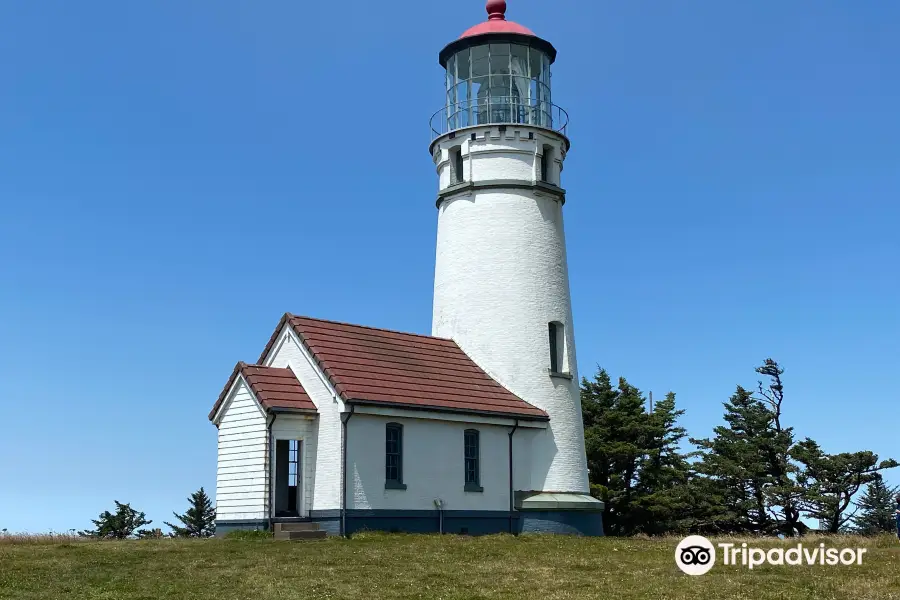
(274, 389)
(390, 368)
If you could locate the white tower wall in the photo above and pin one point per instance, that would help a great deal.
(501, 277)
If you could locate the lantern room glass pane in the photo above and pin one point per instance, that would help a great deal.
(536, 60)
(500, 92)
(480, 66)
(545, 70)
(463, 68)
(459, 111)
(451, 72)
(519, 60)
(451, 91)
(499, 59)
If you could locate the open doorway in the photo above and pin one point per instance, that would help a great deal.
(287, 478)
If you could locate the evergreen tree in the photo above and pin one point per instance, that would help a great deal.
(876, 509)
(123, 524)
(749, 462)
(634, 460)
(199, 520)
(615, 439)
(750, 477)
(665, 502)
(736, 465)
(785, 496)
(832, 480)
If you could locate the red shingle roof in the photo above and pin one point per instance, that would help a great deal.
(382, 367)
(274, 388)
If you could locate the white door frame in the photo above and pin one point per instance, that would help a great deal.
(301, 473)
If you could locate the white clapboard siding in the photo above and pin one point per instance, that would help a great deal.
(233, 452)
(246, 471)
(248, 496)
(256, 460)
(243, 516)
(242, 431)
(241, 474)
(227, 484)
(242, 410)
(230, 461)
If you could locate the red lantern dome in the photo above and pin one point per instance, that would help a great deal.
(497, 22)
(497, 29)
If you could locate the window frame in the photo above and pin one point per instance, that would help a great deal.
(389, 483)
(559, 358)
(472, 486)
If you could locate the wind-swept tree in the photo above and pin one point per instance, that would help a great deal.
(832, 480)
(122, 524)
(786, 494)
(199, 520)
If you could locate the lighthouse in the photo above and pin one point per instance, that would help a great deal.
(475, 429)
(501, 288)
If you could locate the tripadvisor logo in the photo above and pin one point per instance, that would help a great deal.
(696, 555)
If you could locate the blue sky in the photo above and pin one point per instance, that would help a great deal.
(175, 175)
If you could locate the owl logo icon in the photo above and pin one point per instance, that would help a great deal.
(695, 555)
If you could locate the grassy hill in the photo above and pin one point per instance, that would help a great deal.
(372, 566)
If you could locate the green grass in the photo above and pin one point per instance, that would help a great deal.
(373, 566)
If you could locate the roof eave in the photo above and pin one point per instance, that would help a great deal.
(226, 390)
(297, 411)
(496, 36)
(458, 411)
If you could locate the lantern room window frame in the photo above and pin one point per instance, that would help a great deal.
(498, 66)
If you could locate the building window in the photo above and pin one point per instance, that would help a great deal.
(393, 457)
(557, 346)
(456, 165)
(472, 466)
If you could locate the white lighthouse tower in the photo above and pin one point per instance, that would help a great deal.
(501, 287)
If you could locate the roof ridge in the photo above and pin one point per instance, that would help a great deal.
(421, 335)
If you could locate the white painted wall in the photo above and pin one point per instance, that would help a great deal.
(510, 156)
(433, 455)
(326, 486)
(500, 277)
(305, 429)
(241, 474)
(523, 441)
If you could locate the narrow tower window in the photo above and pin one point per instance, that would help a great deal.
(546, 162)
(557, 347)
(456, 165)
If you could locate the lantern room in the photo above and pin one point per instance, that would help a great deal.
(498, 72)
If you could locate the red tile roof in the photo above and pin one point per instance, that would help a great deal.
(382, 367)
(274, 388)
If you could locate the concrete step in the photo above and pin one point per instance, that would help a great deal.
(300, 535)
(298, 526)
